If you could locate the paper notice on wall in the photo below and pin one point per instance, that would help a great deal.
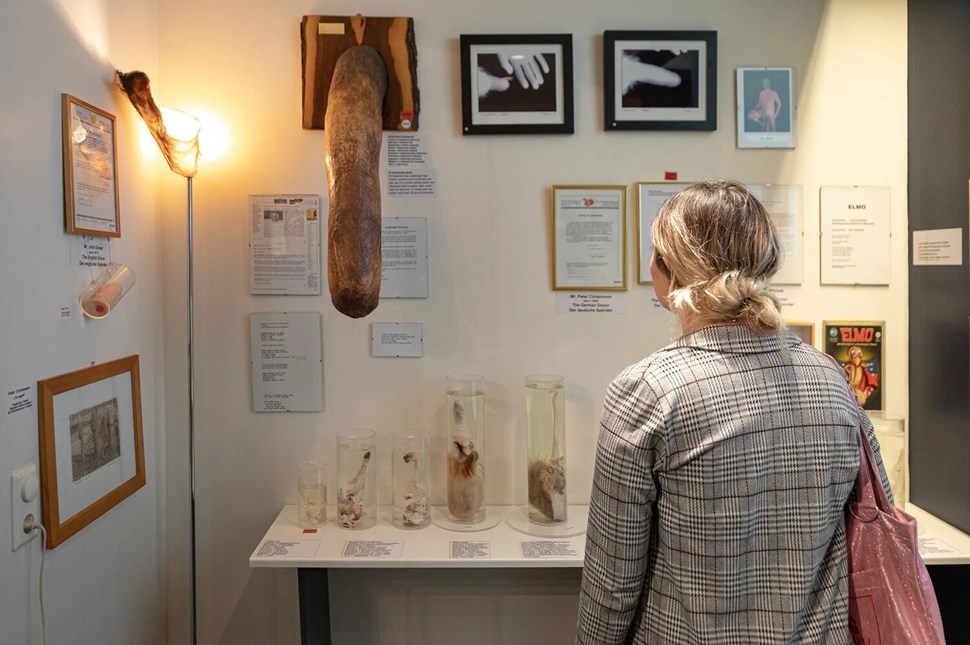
(788, 297)
(855, 235)
(20, 399)
(287, 361)
(406, 150)
(940, 247)
(411, 182)
(397, 340)
(590, 303)
(89, 251)
(467, 550)
(284, 244)
(404, 257)
(784, 203)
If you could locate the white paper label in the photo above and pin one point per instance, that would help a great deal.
(590, 303)
(406, 150)
(287, 362)
(404, 257)
(373, 549)
(931, 545)
(288, 549)
(89, 251)
(397, 340)
(411, 183)
(20, 399)
(788, 297)
(461, 550)
(541, 549)
(940, 247)
(65, 312)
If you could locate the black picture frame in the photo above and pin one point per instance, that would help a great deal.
(660, 80)
(529, 81)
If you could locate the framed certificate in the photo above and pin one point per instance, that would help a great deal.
(650, 197)
(589, 238)
(90, 169)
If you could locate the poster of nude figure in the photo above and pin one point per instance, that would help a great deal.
(95, 438)
(766, 107)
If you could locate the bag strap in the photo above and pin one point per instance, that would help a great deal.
(869, 494)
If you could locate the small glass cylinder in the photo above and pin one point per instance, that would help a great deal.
(311, 509)
(465, 414)
(409, 472)
(892, 448)
(546, 425)
(356, 479)
(103, 293)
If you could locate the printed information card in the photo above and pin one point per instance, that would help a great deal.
(288, 549)
(539, 549)
(287, 361)
(461, 550)
(373, 549)
(397, 340)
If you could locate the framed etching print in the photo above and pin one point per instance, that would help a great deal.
(858, 347)
(90, 169)
(589, 238)
(91, 448)
(660, 80)
(518, 84)
(766, 107)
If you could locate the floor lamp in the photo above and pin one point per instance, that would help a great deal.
(177, 135)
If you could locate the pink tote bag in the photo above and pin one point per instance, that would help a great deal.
(891, 597)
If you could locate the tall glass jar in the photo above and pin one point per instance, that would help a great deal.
(311, 508)
(356, 479)
(465, 414)
(892, 447)
(411, 506)
(546, 425)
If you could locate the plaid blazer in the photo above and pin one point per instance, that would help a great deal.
(723, 467)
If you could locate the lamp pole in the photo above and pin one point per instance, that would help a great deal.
(191, 346)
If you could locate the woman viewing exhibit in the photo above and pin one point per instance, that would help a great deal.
(724, 460)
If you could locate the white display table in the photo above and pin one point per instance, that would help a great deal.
(509, 542)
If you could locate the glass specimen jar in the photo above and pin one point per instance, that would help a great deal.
(356, 479)
(465, 414)
(546, 427)
(311, 508)
(411, 507)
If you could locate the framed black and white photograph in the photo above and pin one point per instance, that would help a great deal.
(517, 84)
(92, 453)
(660, 80)
(766, 107)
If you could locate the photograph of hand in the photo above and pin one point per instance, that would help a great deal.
(660, 78)
(516, 82)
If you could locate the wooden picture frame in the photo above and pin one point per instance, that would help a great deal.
(90, 169)
(660, 80)
(92, 453)
(804, 330)
(517, 84)
(865, 368)
(589, 238)
(651, 195)
(766, 107)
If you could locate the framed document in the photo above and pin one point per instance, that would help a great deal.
(92, 453)
(857, 346)
(517, 84)
(804, 330)
(784, 204)
(90, 169)
(650, 197)
(855, 235)
(660, 80)
(589, 238)
(766, 107)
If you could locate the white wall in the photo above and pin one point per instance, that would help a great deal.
(105, 584)
(491, 309)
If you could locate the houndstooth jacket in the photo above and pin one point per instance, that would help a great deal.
(723, 466)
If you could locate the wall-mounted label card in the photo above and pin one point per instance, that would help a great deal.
(784, 204)
(284, 245)
(20, 399)
(373, 549)
(406, 150)
(411, 182)
(543, 549)
(462, 550)
(404, 257)
(65, 312)
(788, 297)
(287, 549)
(855, 234)
(652, 305)
(397, 340)
(590, 303)
(287, 361)
(940, 247)
(89, 251)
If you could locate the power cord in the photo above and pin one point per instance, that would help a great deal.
(31, 525)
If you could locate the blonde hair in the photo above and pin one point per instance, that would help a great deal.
(721, 249)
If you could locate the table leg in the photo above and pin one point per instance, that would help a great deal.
(314, 606)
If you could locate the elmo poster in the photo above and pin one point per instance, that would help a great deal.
(857, 346)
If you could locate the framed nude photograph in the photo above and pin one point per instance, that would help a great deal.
(766, 107)
(858, 348)
(90, 169)
(92, 453)
(517, 84)
(660, 80)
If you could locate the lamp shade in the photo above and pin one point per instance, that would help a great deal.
(175, 132)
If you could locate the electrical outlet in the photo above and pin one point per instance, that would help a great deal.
(24, 500)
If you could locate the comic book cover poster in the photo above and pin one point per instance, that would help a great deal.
(857, 346)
